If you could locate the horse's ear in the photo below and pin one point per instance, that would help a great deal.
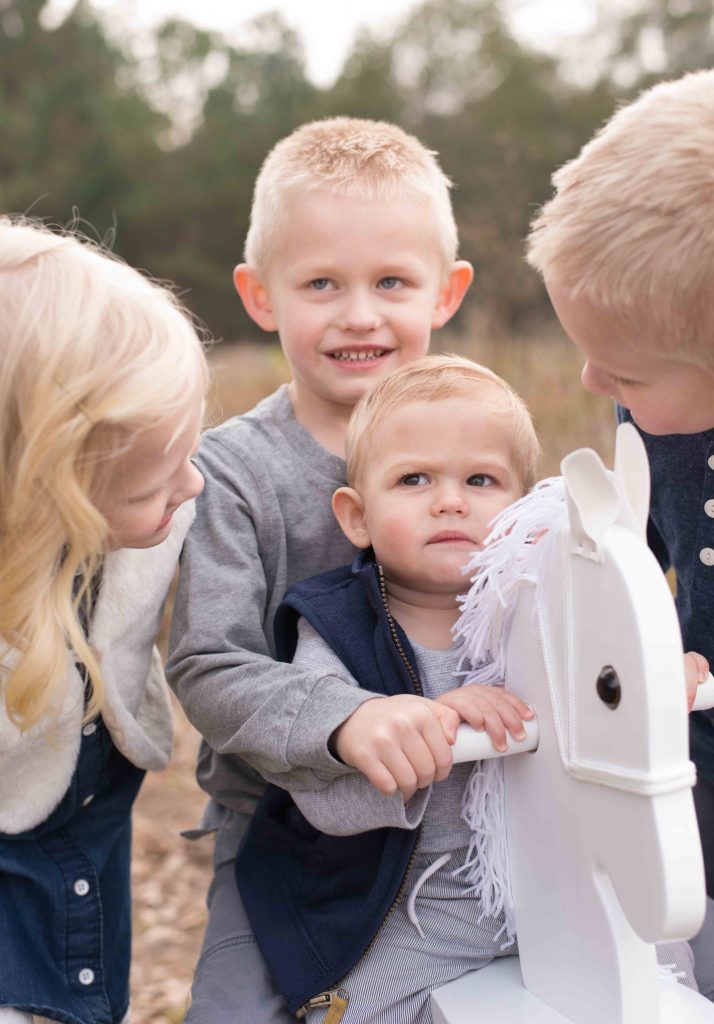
(593, 501)
(632, 478)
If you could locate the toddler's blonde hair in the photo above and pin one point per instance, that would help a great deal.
(631, 224)
(429, 379)
(92, 353)
(351, 157)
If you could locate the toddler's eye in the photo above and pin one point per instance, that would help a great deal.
(623, 382)
(320, 284)
(415, 479)
(480, 480)
(389, 284)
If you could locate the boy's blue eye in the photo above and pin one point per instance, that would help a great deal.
(390, 283)
(320, 284)
(414, 479)
(480, 480)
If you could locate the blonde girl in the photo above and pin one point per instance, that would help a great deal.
(102, 381)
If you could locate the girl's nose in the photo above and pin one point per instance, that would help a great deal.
(191, 483)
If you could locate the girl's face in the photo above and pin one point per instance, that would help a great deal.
(152, 479)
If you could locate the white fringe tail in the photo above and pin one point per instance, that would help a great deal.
(509, 559)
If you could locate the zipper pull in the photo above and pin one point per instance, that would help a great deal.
(335, 1000)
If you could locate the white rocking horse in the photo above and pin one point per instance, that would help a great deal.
(605, 858)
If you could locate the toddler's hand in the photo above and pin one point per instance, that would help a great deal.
(400, 743)
(491, 708)
(696, 670)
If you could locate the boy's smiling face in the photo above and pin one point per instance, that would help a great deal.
(354, 288)
(665, 395)
(437, 474)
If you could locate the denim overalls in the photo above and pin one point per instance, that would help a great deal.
(65, 909)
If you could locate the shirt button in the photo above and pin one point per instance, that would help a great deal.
(86, 976)
(81, 886)
(88, 799)
(89, 729)
(707, 556)
(710, 462)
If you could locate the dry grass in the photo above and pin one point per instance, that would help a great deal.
(170, 874)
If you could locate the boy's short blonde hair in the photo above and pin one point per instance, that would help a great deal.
(430, 379)
(631, 225)
(351, 157)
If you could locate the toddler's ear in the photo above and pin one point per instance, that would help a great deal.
(450, 297)
(255, 296)
(349, 513)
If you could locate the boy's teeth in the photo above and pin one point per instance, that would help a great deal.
(354, 357)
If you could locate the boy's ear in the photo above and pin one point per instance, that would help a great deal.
(460, 277)
(254, 296)
(349, 513)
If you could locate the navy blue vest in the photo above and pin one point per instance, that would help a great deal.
(315, 901)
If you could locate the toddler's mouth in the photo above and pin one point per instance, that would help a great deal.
(452, 537)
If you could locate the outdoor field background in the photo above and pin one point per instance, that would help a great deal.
(143, 123)
(171, 875)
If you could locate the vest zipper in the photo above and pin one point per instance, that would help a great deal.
(327, 998)
(336, 1001)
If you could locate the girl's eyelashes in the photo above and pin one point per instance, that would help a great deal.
(143, 497)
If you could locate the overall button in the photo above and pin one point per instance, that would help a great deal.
(88, 799)
(81, 886)
(89, 729)
(86, 976)
(707, 556)
(710, 462)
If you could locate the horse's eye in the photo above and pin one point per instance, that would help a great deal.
(608, 687)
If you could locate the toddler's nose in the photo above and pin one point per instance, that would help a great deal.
(450, 501)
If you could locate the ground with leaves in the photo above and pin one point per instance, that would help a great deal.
(170, 879)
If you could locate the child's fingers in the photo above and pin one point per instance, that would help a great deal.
(448, 718)
(491, 708)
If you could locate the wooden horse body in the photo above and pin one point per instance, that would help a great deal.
(604, 850)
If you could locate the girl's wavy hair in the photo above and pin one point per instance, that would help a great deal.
(92, 353)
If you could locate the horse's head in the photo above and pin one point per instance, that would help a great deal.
(619, 688)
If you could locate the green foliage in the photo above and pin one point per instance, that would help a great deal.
(166, 146)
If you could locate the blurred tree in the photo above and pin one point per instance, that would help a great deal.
(76, 134)
(196, 220)
(656, 38)
(502, 118)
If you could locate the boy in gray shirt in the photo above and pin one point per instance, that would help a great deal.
(351, 258)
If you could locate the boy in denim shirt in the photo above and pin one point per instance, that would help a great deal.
(626, 249)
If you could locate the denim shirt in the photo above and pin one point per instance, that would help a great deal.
(65, 915)
(681, 535)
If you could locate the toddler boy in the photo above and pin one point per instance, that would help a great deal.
(626, 248)
(434, 452)
(351, 258)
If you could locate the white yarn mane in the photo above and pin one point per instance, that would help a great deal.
(510, 557)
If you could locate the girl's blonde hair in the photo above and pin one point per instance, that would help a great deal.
(92, 353)
(429, 379)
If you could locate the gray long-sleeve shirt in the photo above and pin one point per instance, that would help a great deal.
(263, 522)
(350, 804)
